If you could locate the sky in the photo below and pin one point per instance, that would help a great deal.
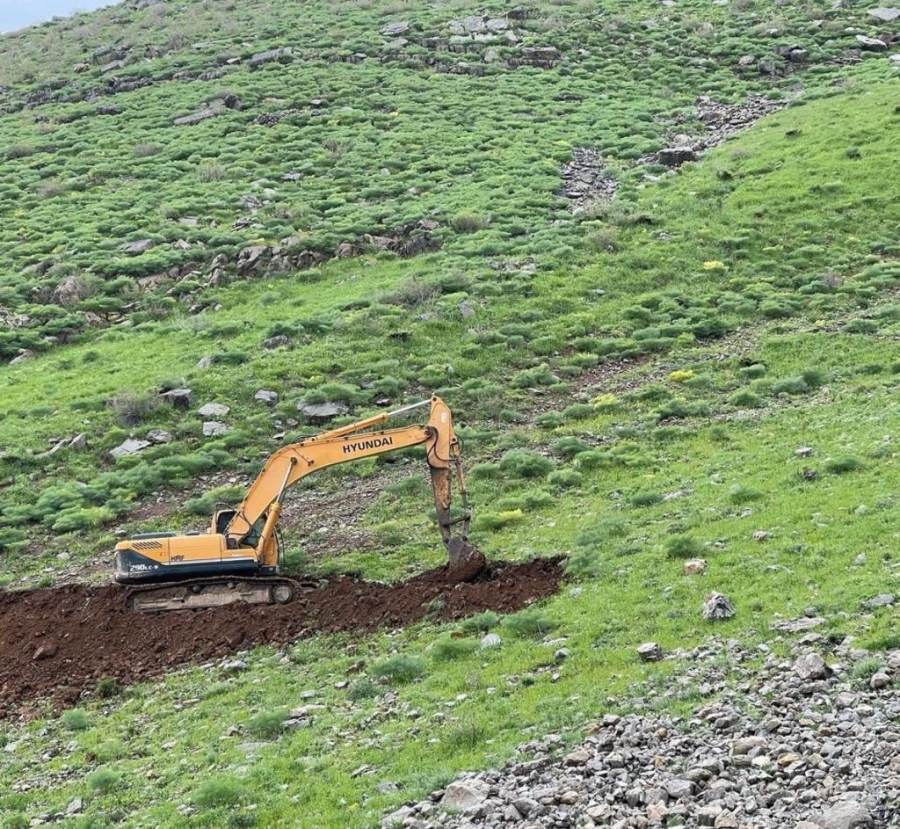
(16, 14)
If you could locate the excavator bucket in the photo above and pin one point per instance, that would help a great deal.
(466, 562)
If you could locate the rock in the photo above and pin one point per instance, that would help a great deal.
(75, 807)
(129, 447)
(848, 814)
(212, 428)
(276, 342)
(179, 398)
(198, 117)
(650, 652)
(579, 757)
(679, 788)
(316, 412)
(676, 156)
(270, 398)
(213, 410)
(158, 436)
(464, 794)
(695, 567)
(251, 258)
(884, 15)
(401, 27)
(135, 248)
(804, 452)
(880, 680)
(490, 640)
(717, 607)
(871, 44)
(811, 666)
(283, 55)
(45, 651)
(798, 625)
(234, 666)
(881, 600)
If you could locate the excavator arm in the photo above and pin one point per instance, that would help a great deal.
(294, 462)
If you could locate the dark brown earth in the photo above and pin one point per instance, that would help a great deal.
(57, 644)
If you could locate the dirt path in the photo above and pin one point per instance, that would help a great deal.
(59, 643)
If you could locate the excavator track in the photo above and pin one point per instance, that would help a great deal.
(217, 591)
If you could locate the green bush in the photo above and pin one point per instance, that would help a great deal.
(790, 385)
(569, 447)
(525, 463)
(683, 546)
(484, 471)
(103, 781)
(217, 792)
(753, 372)
(565, 479)
(584, 563)
(747, 399)
(399, 668)
(531, 622)
(552, 420)
(866, 668)
(267, 723)
(744, 494)
(645, 499)
(75, 719)
(448, 649)
(480, 622)
(492, 521)
(362, 689)
(839, 466)
(579, 411)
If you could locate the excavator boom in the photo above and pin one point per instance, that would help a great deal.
(243, 545)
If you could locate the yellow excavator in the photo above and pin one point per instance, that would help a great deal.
(239, 559)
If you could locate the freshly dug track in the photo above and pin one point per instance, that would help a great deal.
(59, 643)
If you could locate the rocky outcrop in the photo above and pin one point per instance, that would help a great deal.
(788, 745)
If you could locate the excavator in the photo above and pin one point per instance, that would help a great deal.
(240, 558)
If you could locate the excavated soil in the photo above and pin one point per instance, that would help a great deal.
(59, 643)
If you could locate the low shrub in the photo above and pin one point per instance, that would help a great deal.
(744, 494)
(492, 521)
(747, 399)
(480, 622)
(448, 649)
(75, 719)
(866, 668)
(132, 408)
(103, 781)
(645, 499)
(267, 723)
(552, 420)
(683, 546)
(216, 792)
(569, 447)
(565, 479)
(531, 622)
(579, 411)
(840, 466)
(362, 689)
(584, 563)
(484, 471)
(753, 372)
(525, 463)
(398, 669)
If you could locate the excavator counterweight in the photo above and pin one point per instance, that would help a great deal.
(239, 559)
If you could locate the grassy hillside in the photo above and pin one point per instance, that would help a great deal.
(634, 379)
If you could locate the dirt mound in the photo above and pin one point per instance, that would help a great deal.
(58, 643)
